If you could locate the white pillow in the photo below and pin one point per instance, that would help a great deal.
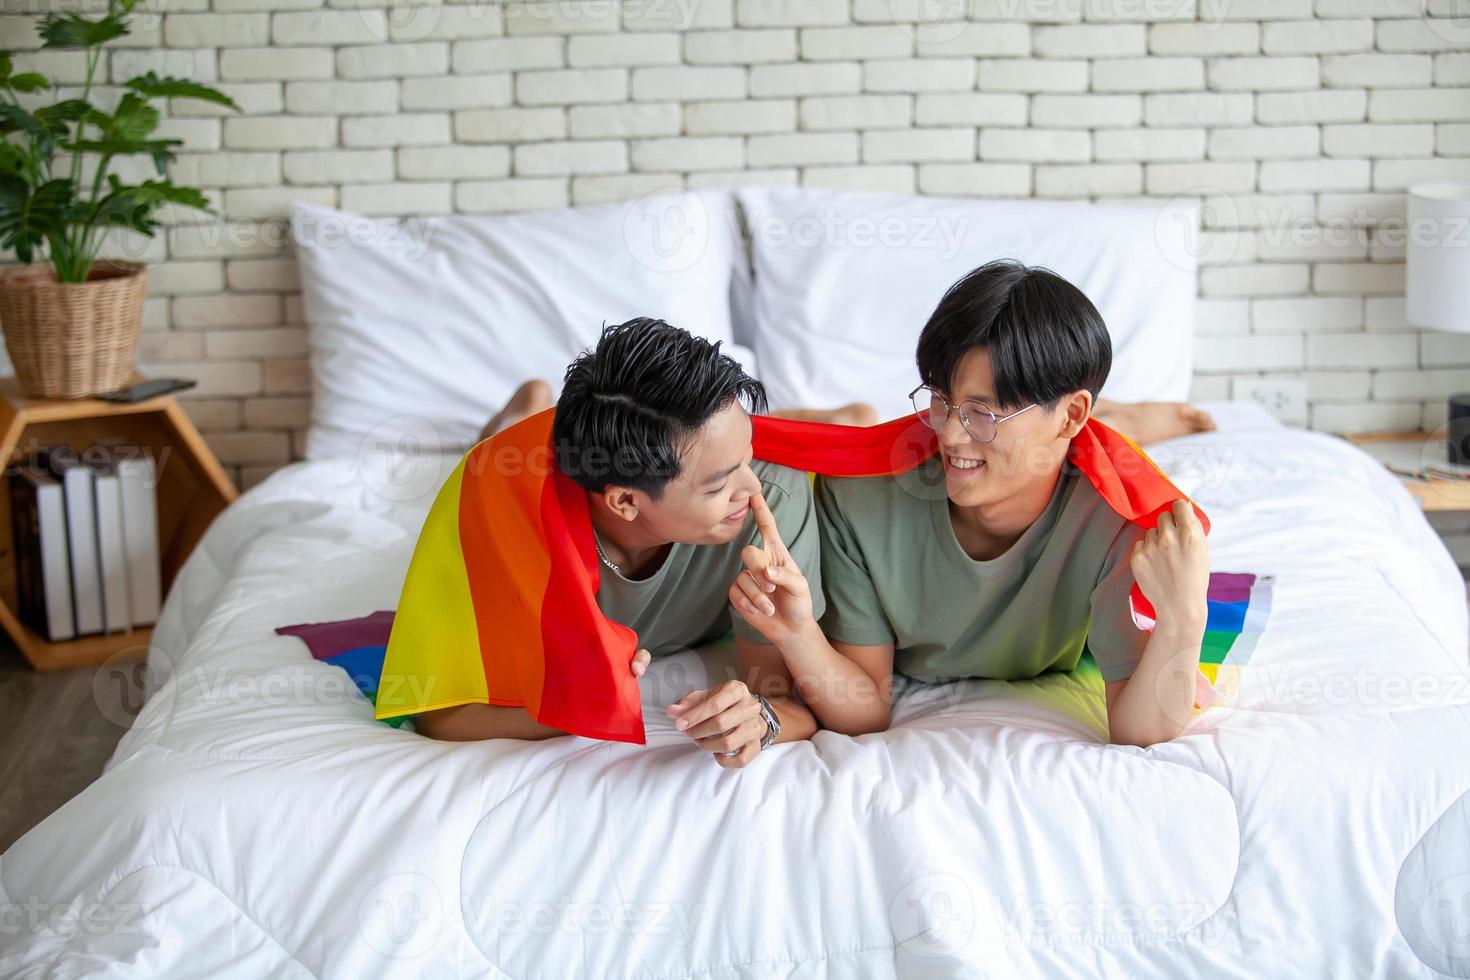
(844, 283)
(420, 330)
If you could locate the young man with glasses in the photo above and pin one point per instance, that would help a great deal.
(996, 558)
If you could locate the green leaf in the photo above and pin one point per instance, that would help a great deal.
(14, 160)
(14, 119)
(7, 65)
(153, 87)
(55, 117)
(133, 119)
(75, 31)
(27, 218)
(117, 148)
(134, 206)
(26, 82)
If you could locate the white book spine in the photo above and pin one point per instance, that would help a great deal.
(86, 572)
(116, 614)
(140, 538)
(55, 567)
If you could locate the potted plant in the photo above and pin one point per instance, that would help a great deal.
(71, 321)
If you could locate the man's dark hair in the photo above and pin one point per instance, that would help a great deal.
(630, 405)
(1044, 336)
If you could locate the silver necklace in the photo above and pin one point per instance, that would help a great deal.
(603, 555)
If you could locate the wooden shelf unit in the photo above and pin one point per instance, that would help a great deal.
(1434, 495)
(192, 490)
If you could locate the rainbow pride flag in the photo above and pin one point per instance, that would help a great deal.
(355, 645)
(499, 603)
(1239, 605)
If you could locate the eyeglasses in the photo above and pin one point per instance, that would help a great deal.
(979, 421)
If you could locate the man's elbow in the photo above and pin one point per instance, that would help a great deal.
(481, 722)
(867, 725)
(1143, 735)
(434, 724)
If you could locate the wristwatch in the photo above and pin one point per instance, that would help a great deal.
(773, 723)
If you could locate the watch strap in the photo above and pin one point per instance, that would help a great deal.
(772, 720)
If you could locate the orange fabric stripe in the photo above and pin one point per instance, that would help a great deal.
(508, 559)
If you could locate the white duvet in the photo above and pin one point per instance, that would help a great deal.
(256, 822)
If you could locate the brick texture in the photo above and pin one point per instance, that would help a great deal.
(1299, 123)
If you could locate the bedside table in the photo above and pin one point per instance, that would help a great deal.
(192, 489)
(1406, 453)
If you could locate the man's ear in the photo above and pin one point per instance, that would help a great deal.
(1076, 410)
(621, 501)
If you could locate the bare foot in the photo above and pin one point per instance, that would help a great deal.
(1146, 422)
(529, 398)
(858, 413)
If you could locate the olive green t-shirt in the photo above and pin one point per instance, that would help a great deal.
(894, 572)
(686, 602)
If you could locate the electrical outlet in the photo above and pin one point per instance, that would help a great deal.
(1287, 400)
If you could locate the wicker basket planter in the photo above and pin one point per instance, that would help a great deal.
(72, 339)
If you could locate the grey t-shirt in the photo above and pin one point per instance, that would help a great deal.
(686, 602)
(895, 572)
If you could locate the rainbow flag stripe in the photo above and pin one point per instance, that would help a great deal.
(355, 645)
(1239, 606)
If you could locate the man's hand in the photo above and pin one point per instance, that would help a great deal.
(725, 720)
(1172, 564)
(771, 594)
(640, 662)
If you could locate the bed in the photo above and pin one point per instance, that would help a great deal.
(256, 821)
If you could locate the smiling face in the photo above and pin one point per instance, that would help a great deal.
(1027, 451)
(709, 501)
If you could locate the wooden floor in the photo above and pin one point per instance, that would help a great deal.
(57, 730)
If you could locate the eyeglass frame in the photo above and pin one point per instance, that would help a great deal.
(949, 410)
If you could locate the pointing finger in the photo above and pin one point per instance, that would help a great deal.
(765, 523)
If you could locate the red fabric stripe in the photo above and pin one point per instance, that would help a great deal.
(589, 689)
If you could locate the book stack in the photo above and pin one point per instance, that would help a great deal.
(85, 532)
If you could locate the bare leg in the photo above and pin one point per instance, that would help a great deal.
(474, 722)
(858, 413)
(529, 398)
(1146, 422)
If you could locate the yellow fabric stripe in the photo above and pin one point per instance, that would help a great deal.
(433, 657)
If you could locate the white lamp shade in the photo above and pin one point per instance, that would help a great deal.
(1437, 286)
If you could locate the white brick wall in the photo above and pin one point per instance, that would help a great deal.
(1300, 122)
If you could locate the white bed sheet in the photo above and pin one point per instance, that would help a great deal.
(257, 822)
